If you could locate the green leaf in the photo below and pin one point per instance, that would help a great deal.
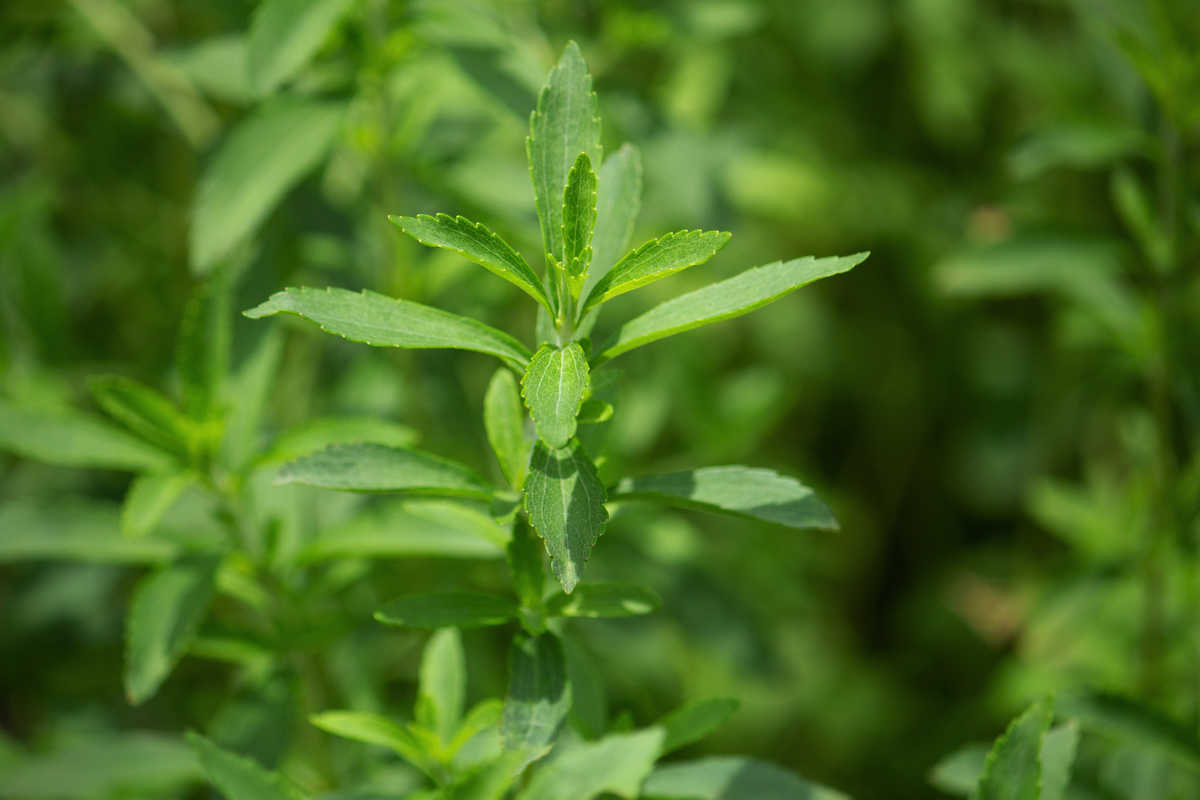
(565, 501)
(165, 612)
(379, 468)
(405, 528)
(604, 599)
(553, 388)
(589, 703)
(446, 610)
(486, 714)
(74, 531)
(377, 730)
(657, 259)
(203, 351)
(1012, 770)
(477, 243)
(387, 322)
(144, 411)
(504, 419)
(618, 763)
(1130, 721)
(285, 35)
(565, 124)
(595, 410)
(731, 778)
(736, 491)
(250, 397)
(695, 721)
(1057, 756)
(72, 439)
(149, 497)
(442, 691)
(319, 433)
(239, 777)
(618, 200)
(958, 773)
(538, 699)
(579, 220)
(525, 565)
(263, 158)
(730, 298)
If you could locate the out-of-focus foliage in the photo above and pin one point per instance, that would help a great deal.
(1001, 404)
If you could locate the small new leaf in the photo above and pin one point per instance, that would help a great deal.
(379, 468)
(447, 610)
(504, 419)
(553, 388)
(565, 501)
(618, 200)
(657, 259)
(579, 221)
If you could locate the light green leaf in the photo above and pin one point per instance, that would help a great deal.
(504, 419)
(442, 691)
(239, 777)
(383, 321)
(525, 565)
(553, 388)
(731, 778)
(263, 158)
(589, 703)
(736, 491)
(958, 773)
(490, 782)
(695, 721)
(203, 351)
(477, 243)
(618, 200)
(1057, 756)
(216, 66)
(565, 124)
(657, 259)
(604, 599)
(618, 763)
(393, 530)
(538, 699)
(379, 468)
(74, 531)
(73, 439)
(144, 411)
(595, 410)
(446, 610)
(486, 714)
(1012, 770)
(165, 612)
(565, 501)
(319, 433)
(250, 397)
(730, 298)
(284, 35)
(579, 221)
(1130, 721)
(377, 730)
(149, 497)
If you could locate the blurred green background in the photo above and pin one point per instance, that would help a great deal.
(998, 404)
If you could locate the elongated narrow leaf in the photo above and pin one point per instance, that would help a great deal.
(144, 411)
(447, 610)
(695, 721)
(618, 201)
(474, 241)
(736, 491)
(565, 501)
(731, 778)
(317, 434)
(404, 528)
(203, 351)
(263, 158)
(1013, 768)
(442, 691)
(579, 220)
(250, 396)
(73, 439)
(1130, 721)
(604, 600)
(149, 497)
(485, 714)
(504, 419)
(1057, 758)
(618, 763)
(565, 124)
(538, 698)
(374, 729)
(383, 321)
(525, 565)
(284, 35)
(74, 531)
(657, 259)
(553, 388)
(239, 777)
(739, 295)
(379, 468)
(163, 617)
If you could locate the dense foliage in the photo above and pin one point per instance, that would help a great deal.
(226, 537)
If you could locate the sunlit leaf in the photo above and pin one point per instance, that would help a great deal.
(565, 501)
(442, 691)
(284, 35)
(618, 763)
(1013, 769)
(579, 220)
(379, 468)
(378, 730)
(657, 259)
(149, 497)
(538, 698)
(504, 419)
(553, 388)
(618, 200)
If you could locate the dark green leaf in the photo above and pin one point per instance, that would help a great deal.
(203, 352)
(144, 411)
(284, 35)
(739, 295)
(657, 259)
(72, 439)
(74, 531)
(149, 497)
(695, 721)
(731, 778)
(553, 388)
(525, 565)
(379, 468)
(618, 200)
(565, 501)
(446, 610)
(538, 699)
(618, 763)
(238, 777)
(579, 221)
(442, 691)
(604, 599)
(504, 419)
(386, 322)
(1012, 770)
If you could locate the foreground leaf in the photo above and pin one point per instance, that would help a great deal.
(579, 220)
(238, 777)
(657, 259)
(150, 496)
(735, 491)
(730, 298)
(379, 468)
(383, 321)
(447, 610)
(442, 690)
(604, 599)
(374, 729)
(74, 531)
(565, 124)
(618, 200)
(553, 388)
(73, 439)
(477, 243)
(284, 35)
(695, 721)
(731, 778)
(166, 610)
(565, 501)
(538, 698)
(504, 419)
(1013, 769)
(618, 763)
(145, 411)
